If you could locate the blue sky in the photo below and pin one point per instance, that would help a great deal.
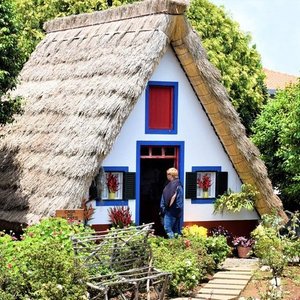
(275, 29)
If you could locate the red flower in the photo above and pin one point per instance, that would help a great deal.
(187, 243)
(9, 266)
(204, 182)
(120, 216)
(112, 182)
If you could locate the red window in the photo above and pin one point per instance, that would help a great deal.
(161, 107)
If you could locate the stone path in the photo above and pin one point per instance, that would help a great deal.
(228, 283)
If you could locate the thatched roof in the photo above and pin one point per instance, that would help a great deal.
(80, 85)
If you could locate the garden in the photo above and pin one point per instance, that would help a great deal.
(40, 263)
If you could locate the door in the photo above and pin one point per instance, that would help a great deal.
(154, 161)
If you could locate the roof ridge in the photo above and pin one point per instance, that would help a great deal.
(139, 9)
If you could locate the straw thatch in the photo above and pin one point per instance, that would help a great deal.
(80, 85)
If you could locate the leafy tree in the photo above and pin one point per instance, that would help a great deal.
(11, 60)
(277, 135)
(228, 48)
(230, 51)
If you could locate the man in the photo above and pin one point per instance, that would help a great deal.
(171, 203)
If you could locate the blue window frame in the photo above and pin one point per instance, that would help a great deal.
(118, 201)
(210, 171)
(173, 108)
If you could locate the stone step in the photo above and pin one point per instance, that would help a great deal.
(241, 269)
(226, 281)
(235, 271)
(228, 275)
(211, 285)
(215, 297)
(219, 292)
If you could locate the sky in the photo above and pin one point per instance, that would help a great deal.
(275, 29)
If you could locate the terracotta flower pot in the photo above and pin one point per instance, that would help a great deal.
(243, 252)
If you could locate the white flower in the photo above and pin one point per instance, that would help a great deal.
(188, 262)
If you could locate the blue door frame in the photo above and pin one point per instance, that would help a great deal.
(139, 144)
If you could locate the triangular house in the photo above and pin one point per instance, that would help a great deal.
(91, 89)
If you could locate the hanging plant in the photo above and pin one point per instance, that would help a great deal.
(235, 202)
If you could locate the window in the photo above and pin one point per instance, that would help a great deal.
(204, 184)
(161, 107)
(121, 183)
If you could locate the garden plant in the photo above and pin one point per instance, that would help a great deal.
(41, 264)
(274, 249)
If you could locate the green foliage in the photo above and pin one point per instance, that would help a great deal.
(235, 202)
(183, 262)
(189, 259)
(217, 248)
(194, 231)
(41, 264)
(230, 51)
(277, 135)
(273, 249)
(11, 60)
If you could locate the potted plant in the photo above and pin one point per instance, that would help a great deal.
(112, 183)
(235, 202)
(204, 183)
(243, 245)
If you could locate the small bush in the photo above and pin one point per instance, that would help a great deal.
(175, 257)
(189, 259)
(218, 249)
(273, 249)
(41, 264)
(194, 231)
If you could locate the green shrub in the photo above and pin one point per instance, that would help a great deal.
(273, 249)
(217, 248)
(173, 256)
(189, 259)
(41, 264)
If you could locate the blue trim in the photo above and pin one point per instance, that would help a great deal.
(115, 169)
(108, 202)
(203, 201)
(205, 169)
(139, 144)
(175, 108)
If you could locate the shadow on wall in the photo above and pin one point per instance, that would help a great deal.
(11, 199)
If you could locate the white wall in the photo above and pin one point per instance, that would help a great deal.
(202, 146)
